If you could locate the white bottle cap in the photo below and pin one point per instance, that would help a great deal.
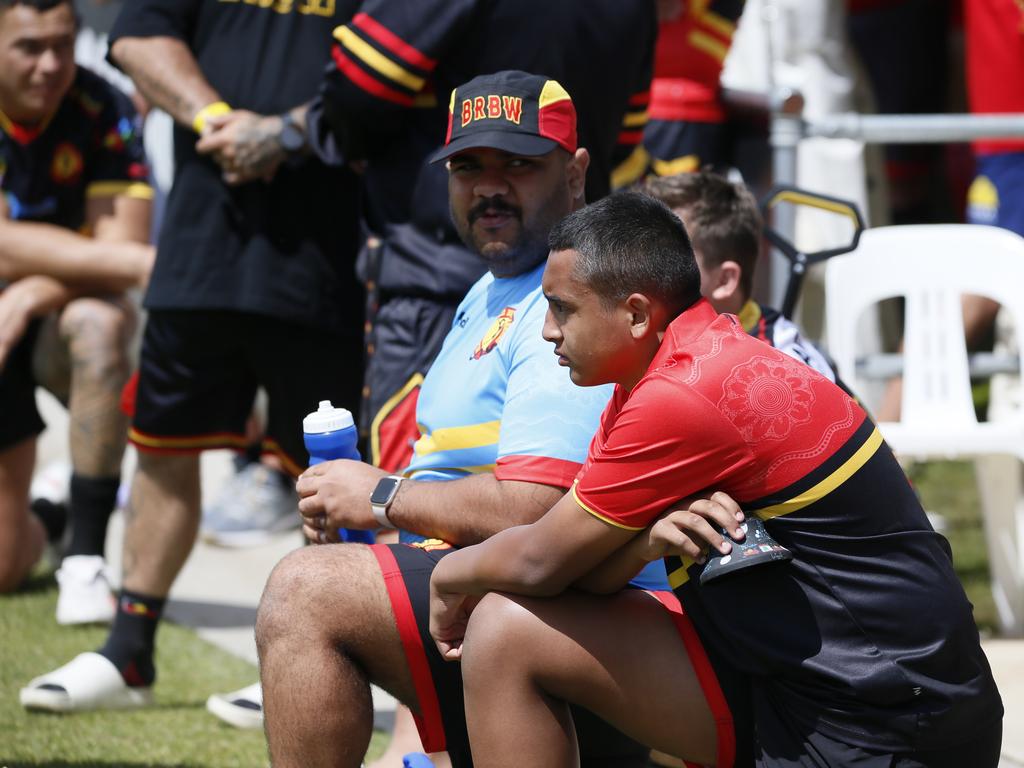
(327, 419)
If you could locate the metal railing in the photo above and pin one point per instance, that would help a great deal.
(788, 127)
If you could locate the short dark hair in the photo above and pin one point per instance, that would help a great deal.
(630, 243)
(39, 5)
(725, 224)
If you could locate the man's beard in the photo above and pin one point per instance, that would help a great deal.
(506, 259)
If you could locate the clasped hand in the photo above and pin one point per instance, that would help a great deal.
(244, 144)
(693, 527)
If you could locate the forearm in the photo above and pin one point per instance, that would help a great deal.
(39, 295)
(471, 509)
(506, 562)
(31, 248)
(616, 572)
(166, 72)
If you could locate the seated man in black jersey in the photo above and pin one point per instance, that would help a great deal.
(860, 650)
(74, 220)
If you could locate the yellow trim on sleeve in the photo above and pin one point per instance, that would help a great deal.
(632, 168)
(684, 164)
(830, 483)
(702, 41)
(635, 119)
(378, 60)
(720, 24)
(598, 515)
(138, 190)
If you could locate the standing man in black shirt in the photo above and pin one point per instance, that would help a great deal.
(253, 286)
(74, 221)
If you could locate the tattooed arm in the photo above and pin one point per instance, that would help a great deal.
(247, 145)
(166, 72)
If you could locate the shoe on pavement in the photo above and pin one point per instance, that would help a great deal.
(242, 708)
(251, 508)
(85, 595)
(88, 682)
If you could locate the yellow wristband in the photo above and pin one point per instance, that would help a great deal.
(204, 114)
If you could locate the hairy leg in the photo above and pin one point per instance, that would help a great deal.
(82, 357)
(325, 630)
(618, 656)
(21, 534)
(161, 521)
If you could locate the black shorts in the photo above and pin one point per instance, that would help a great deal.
(438, 683)
(782, 744)
(768, 735)
(19, 416)
(199, 371)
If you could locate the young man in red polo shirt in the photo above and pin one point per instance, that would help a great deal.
(861, 649)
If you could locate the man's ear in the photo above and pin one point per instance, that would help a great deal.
(576, 173)
(727, 281)
(642, 314)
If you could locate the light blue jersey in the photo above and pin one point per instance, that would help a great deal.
(496, 400)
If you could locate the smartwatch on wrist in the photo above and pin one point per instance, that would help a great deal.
(292, 138)
(382, 497)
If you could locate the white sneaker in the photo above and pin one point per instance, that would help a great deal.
(251, 509)
(85, 595)
(52, 482)
(242, 708)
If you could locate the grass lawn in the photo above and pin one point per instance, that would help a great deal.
(177, 732)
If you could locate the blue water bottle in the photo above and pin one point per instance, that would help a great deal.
(330, 433)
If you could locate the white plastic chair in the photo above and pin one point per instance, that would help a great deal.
(931, 266)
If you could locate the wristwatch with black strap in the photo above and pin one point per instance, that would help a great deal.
(292, 137)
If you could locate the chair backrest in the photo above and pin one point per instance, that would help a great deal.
(931, 266)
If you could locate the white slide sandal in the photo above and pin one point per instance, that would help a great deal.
(87, 682)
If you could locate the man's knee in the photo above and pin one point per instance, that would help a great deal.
(100, 328)
(501, 626)
(329, 591)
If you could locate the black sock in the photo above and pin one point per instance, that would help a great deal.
(133, 637)
(92, 501)
(54, 518)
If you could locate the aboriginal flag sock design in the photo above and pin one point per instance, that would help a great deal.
(133, 637)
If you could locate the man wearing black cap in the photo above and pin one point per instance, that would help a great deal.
(503, 433)
(384, 101)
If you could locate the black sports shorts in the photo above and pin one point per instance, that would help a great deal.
(783, 745)
(19, 417)
(199, 371)
(441, 720)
